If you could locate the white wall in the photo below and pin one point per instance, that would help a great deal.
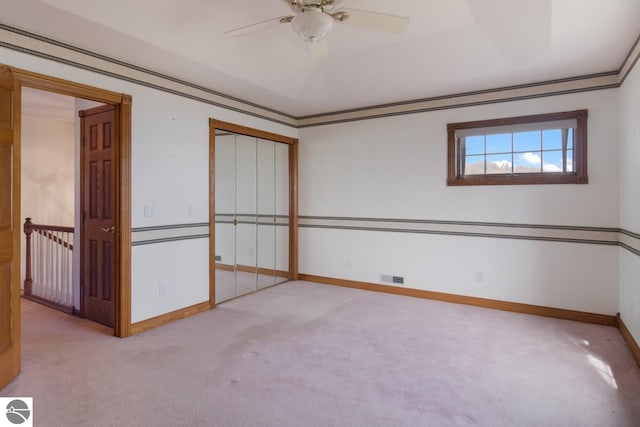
(173, 283)
(395, 167)
(170, 143)
(47, 193)
(389, 168)
(630, 198)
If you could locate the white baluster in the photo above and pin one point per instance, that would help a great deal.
(54, 266)
(64, 269)
(41, 263)
(57, 264)
(50, 267)
(60, 268)
(46, 279)
(67, 284)
(35, 261)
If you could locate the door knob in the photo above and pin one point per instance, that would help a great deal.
(109, 229)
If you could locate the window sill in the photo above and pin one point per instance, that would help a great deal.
(524, 179)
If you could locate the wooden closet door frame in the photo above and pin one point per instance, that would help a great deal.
(293, 195)
(122, 141)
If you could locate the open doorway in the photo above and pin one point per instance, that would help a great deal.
(12, 80)
(67, 201)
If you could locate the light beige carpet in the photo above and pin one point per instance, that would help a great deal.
(302, 354)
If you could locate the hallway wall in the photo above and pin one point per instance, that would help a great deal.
(47, 194)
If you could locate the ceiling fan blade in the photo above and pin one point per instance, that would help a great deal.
(333, 3)
(294, 5)
(372, 20)
(259, 26)
(319, 49)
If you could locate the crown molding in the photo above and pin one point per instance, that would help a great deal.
(43, 47)
(40, 46)
(630, 61)
(591, 82)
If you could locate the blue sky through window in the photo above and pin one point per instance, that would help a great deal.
(500, 143)
(518, 152)
(474, 145)
(526, 141)
(552, 139)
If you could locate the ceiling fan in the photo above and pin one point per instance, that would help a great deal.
(314, 19)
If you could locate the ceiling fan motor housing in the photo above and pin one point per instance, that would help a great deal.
(312, 25)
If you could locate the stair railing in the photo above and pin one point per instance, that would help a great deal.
(49, 265)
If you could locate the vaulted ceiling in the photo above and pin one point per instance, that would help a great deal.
(451, 46)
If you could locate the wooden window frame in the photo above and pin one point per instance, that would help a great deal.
(578, 176)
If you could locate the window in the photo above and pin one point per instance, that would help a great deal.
(541, 149)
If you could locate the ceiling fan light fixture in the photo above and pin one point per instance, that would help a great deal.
(312, 25)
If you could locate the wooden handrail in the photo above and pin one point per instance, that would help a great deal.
(47, 227)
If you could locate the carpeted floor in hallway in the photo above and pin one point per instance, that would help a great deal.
(302, 354)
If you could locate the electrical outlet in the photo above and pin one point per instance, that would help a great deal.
(218, 258)
(479, 276)
(162, 289)
(398, 279)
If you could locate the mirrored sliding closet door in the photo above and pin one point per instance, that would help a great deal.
(251, 214)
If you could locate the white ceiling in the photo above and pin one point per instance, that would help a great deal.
(451, 46)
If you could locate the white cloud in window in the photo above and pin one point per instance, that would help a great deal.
(502, 164)
(531, 158)
(550, 167)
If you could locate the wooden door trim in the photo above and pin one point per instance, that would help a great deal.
(66, 87)
(122, 327)
(12, 355)
(122, 103)
(293, 194)
(255, 133)
(293, 210)
(212, 213)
